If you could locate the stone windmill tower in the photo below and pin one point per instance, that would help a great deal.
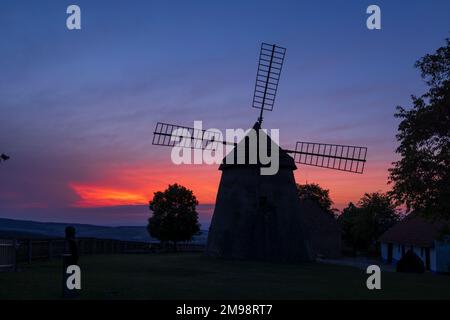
(261, 216)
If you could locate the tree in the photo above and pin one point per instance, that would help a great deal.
(174, 215)
(317, 194)
(421, 178)
(4, 157)
(363, 224)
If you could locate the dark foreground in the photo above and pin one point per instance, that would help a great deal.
(193, 276)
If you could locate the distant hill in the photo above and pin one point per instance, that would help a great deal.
(10, 228)
(11, 234)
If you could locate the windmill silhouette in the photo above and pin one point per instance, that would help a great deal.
(261, 216)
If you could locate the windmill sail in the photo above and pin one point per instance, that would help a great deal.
(271, 58)
(171, 135)
(331, 156)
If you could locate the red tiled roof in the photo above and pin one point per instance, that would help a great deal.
(414, 230)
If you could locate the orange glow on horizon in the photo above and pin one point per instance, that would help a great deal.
(135, 185)
(92, 196)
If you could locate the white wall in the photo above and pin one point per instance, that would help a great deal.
(442, 258)
(433, 266)
(384, 251)
(421, 253)
(397, 252)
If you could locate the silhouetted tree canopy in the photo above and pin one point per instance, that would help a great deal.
(364, 223)
(317, 194)
(421, 178)
(4, 157)
(174, 215)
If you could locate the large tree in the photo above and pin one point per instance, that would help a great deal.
(3, 157)
(317, 194)
(364, 223)
(421, 178)
(174, 215)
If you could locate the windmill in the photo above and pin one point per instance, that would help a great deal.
(261, 216)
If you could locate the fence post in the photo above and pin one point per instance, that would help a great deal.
(30, 250)
(50, 253)
(15, 253)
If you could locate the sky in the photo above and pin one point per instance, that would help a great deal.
(78, 108)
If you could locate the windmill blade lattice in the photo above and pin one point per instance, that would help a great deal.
(331, 156)
(171, 135)
(271, 59)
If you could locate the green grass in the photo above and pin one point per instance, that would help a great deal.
(194, 276)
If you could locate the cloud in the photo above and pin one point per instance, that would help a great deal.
(93, 196)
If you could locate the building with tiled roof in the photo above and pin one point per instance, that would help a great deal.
(428, 239)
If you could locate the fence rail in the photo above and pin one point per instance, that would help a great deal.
(28, 250)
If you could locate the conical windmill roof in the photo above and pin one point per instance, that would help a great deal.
(230, 160)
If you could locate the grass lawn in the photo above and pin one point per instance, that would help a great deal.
(194, 276)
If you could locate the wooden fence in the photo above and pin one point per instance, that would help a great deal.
(7, 255)
(28, 250)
